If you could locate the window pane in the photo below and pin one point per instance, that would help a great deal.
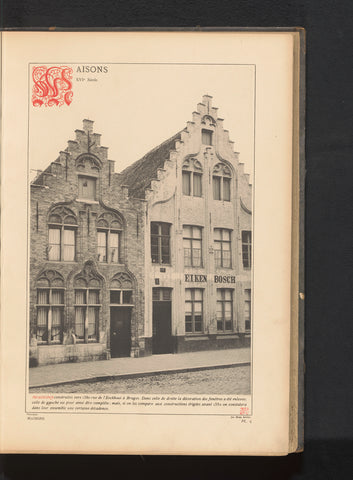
(187, 231)
(154, 228)
(226, 189)
(92, 323)
(188, 323)
(196, 232)
(197, 307)
(102, 239)
(228, 294)
(165, 229)
(218, 257)
(57, 297)
(196, 257)
(54, 244)
(115, 296)
(187, 257)
(93, 297)
(198, 323)
(80, 297)
(217, 188)
(220, 325)
(198, 294)
(226, 259)
(187, 294)
(43, 297)
(207, 137)
(114, 239)
(127, 297)
(186, 183)
(197, 185)
(219, 294)
(228, 325)
(80, 322)
(102, 246)
(69, 253)
(226, 235)
(56, 326)
(42, 325)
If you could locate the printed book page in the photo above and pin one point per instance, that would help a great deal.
(147, 242)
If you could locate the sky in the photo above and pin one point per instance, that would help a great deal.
(135, 107)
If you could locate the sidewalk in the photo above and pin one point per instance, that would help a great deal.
(127, 367)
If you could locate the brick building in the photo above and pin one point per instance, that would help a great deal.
(198, 238)
(87, 258)
(155, 259)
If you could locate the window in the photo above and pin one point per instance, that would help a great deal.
(62, 235)
(193, 310)
(86, 314)
(121, 297)
(224, 310)
(160, 242)
(192, 178)
(222, 248)
(192, 242)
(221, 182)
(207, 137)
(247, 309)
(50, 313)
(162, 294)
(87, 187)
(108, 238)
(246, 248)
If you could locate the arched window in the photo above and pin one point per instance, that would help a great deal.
(62, 225)
(192, 177)
(221, 182)
(88, 302)
(109, 234)
(50, 307)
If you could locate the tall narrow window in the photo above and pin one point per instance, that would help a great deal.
(207, 137)
(224, 310)
(222, 248)
(50, 309)
(87, 187)
(192, 177)
(160, 242)
(186, 183)
(192, 242)
(221, 182)
(86, 314)
(246, 248)
(193, 310)
(62, 235)
(108, 238)
(247, 309)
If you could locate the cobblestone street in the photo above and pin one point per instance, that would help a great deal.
(218, 381)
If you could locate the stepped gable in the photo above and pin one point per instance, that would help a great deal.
(139, 175)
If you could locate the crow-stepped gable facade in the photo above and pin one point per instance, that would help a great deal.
(156, 259)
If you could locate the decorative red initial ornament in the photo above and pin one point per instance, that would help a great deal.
(51, 86)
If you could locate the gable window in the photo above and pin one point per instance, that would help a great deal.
(222, 248)
(87, 308)
(193, 310)
(160, 242)
(246, 248)
(109, 229)
(221, 180)
(207, 137)
(247, 309)
(192, 178)
(50, 314)
(62, 235)
(87, 187)
(224, 309)
(192, 243)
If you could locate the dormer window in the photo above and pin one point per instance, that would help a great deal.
(87, 187)
(206, 137)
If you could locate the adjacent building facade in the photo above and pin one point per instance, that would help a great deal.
(156, 259)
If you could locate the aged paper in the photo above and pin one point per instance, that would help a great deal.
(139, 89)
